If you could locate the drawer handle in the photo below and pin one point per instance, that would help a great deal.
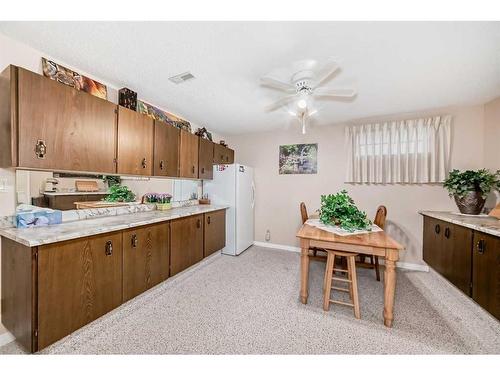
(40, 149)
(134, 240)
(447, 232)
(208, 220)
(481, 246)
(109, 248)
(144, 163)
(437, 228)
(198, 223)
(162, 164)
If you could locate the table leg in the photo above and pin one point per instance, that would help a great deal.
(304, 270)
(391, 256)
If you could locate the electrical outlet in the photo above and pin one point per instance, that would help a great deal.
(268, 235)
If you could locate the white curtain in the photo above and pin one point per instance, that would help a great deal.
(409, 151)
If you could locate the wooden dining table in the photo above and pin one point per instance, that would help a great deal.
(373, 243)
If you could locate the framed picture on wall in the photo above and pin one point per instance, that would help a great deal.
(298, 159)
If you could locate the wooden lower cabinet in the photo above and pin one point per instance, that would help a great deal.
(145, 258)
(214, 232)
(486, 272)
(186, 243)
(78, 281)
(52, 290)
(467, 258)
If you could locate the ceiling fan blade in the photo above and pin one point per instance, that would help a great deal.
(277, 84)
(326, 71)
(339, 93)
(280, 102)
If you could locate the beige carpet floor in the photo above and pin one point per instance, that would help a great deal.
(249, 305)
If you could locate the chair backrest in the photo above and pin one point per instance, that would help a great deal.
(380, 216)
(303, 212)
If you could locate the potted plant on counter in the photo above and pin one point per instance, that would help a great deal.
(471, 188)
(161, 200)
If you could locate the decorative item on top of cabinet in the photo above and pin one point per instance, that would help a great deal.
(205, 159)
(188, 155)
(135, 143)
(486, 272)
(46, 125)
(166, 150)
(145, 258)
(214, 231)
(127, 98)
(186, 243)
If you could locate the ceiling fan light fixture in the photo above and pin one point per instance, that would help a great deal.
(302, 104)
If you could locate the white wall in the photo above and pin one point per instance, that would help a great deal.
(278, 196)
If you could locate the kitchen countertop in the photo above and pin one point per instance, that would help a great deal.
(56, 193)
(82, 228)
(484, 224)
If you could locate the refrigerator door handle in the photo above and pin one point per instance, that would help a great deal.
(253, 195)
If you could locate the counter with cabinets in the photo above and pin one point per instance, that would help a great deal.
(466, 251)
(57, 279)
(46, 125)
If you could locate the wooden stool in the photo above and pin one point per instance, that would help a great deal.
(351, 280)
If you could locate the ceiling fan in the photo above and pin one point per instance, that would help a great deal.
(304, 86)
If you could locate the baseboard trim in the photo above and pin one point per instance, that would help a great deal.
(403, 265)
(6, 338)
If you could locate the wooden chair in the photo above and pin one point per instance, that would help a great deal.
(350, 279)
(305, 217)
(379, 220)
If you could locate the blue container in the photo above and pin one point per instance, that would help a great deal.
(38, 218)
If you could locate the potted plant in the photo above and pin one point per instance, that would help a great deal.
(162, 200)
(471, 188)
(339, 209)
(119, 193)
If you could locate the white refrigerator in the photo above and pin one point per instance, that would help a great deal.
(233, 185)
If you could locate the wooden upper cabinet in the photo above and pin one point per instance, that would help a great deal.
(214, 232)
(61, 128)
(486, 272)
(223, 155)
(78, 281)
(166, 150)
(145, 258)
(135, 143)
(188, 155)
(205, 159)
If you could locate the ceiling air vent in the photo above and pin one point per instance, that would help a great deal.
(181, 77)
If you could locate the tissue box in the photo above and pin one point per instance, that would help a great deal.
(38, 218)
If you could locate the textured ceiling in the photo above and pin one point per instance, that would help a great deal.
(396, 67)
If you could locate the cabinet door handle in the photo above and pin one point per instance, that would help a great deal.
(134, 240)
(109, 248)
(447, 232)
(437, 228)
(192, 169)
(208, 220)
(481, 246)
(198, 223)
(202, 170)
(162, 164)
(144, 163)
(40, 149)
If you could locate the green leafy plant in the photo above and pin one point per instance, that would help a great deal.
(339, 209)
(120, 193)
(483, 181)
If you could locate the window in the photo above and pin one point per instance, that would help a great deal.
(408, 151)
